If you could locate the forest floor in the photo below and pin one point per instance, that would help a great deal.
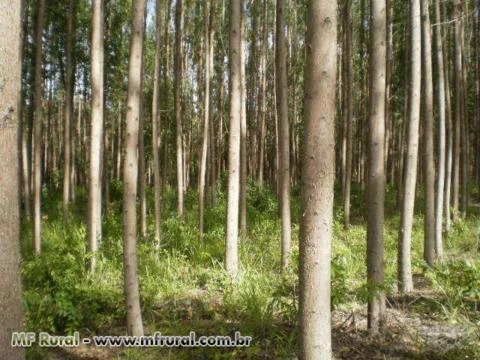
(184, 287)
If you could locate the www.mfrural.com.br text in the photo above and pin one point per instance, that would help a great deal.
(44, 339)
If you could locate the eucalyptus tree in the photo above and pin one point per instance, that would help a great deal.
(235, 63)
(376, 166)
(284, 130)
(408, 199)
(130, 171)
(10, 100)
(37, 136)
(318, 176)
(94, 221)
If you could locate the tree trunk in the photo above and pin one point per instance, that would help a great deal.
(243, 134)
(348, 111)
(209, 42)
(376, 166)
(235, 63)
(69, 90)
(130, 171)
(37, 138)
(429, 165)
(457, 13)
(141, 161)
(318, 176)
(156, 120)
(262, 98)
(441, 133)
(94, 222)
(410, 173)
(11, 317)
(178, 104)
(284, 131)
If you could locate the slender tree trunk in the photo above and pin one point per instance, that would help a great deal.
(130, 171)
(464, 125)
(318, 176)
(348, 111)
(209, 42)
(94, 222)
(243, 134)
(69, 89)
(262, 98)
(376, 166)
(178, 104)
(141, 161)
(429, 165)
(10, 105)
(410, 173)
(284, 131)
(156, 121)
(441, 132)
(388, 80)
(37, 139)
(235, 64)
(457, 13)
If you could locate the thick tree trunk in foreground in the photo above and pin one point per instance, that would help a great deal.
(10, 98)
(130, 172)
(376, 166)
(429, 165)
(284, 131)
(231, 250)
(37, 137)
(318, 176)
(410, 172)
(94, 221)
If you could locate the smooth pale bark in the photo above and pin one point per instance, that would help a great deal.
(178, 104)
(94, 220)
(449, 130)
(376, 166)
(37, 137)
(156, 121)
(410, 172)
(284, 131)
(141, 162)
(130, 172)
(464, 125)
(441, 133)
(11, 316)
(235, 63)
(457, 13)
(209, 54)
(318, 176)
(428, 165)
(243, 135)
(348, 111)
(69, 90)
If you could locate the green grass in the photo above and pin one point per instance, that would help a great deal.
(184, 286)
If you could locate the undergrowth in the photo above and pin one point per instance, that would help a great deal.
(184, 286)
